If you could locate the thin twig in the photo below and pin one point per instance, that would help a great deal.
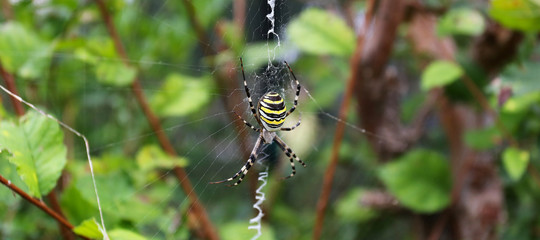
(239, 14)
(208, 231)
(203, 39)
(10, 84)
(340, 128)
(37, 203)
(19, 111)
(222, 78)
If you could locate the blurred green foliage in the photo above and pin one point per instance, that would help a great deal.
(64, 61)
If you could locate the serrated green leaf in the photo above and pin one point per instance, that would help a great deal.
(515, 162)
(440, 73)
(151, 157)
(349, 208)
(90, 229)
(181, 95)
(482, 139)
(239, 230)
(523, 15)
(22, 51)
(319, 32)
(38, 150)
(123, 234)
(420, 180)
(466, 21)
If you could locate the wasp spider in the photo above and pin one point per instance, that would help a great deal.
(270, 115)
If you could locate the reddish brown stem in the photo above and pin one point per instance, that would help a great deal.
(222, 78)
(203, 39)
(207, 231)
(53, 200)
(340, 128)
(10, 85)
(7, 10)
(37, 203)
(19, 110)
(239, 13)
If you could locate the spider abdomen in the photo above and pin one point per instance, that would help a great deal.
(272, 111)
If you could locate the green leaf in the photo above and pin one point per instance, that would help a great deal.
(115, 73)
(90, 229)
(9, 172)
(523, 15)
(23, 52)
(515, 162)
(440, 73)
(464, 21)
(114, 190)
(181, 95)
(239, 230)
(123, 234)
(350, 208)
(151, 157)
(522, 78)
(38, 150)
(108, 67)
(319, 32)
(77, 208)
(521, 103)
(420, 180)
(482, 139)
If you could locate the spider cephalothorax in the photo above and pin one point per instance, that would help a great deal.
(270, 114)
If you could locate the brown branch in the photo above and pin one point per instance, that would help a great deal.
(340, 128)
(38, 203)
(19, 111)
(380, 85)
(239, 14)
(203, 39)
(7, 10)
(223, 78)
(53, 200)
(10, 85)
(206, 230)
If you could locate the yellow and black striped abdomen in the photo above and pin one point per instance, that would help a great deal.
(272, 111)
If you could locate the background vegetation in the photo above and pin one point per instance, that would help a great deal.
(420, 119)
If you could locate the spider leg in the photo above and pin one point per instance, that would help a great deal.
(247, 91)
(297, 90)
(244, 170)
(248, 124)
(293, 127)
(287, 150)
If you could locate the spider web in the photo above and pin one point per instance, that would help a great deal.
(210, 140)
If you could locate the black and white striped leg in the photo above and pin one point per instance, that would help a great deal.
(293, 127)
(248, 124)
(287, 150)
(244, 170)
(297, 90)
(247, 91)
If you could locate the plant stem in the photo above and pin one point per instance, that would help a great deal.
(19, 111)
(340, 128)
(37, 203)
(207, 231)
(10, 84)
